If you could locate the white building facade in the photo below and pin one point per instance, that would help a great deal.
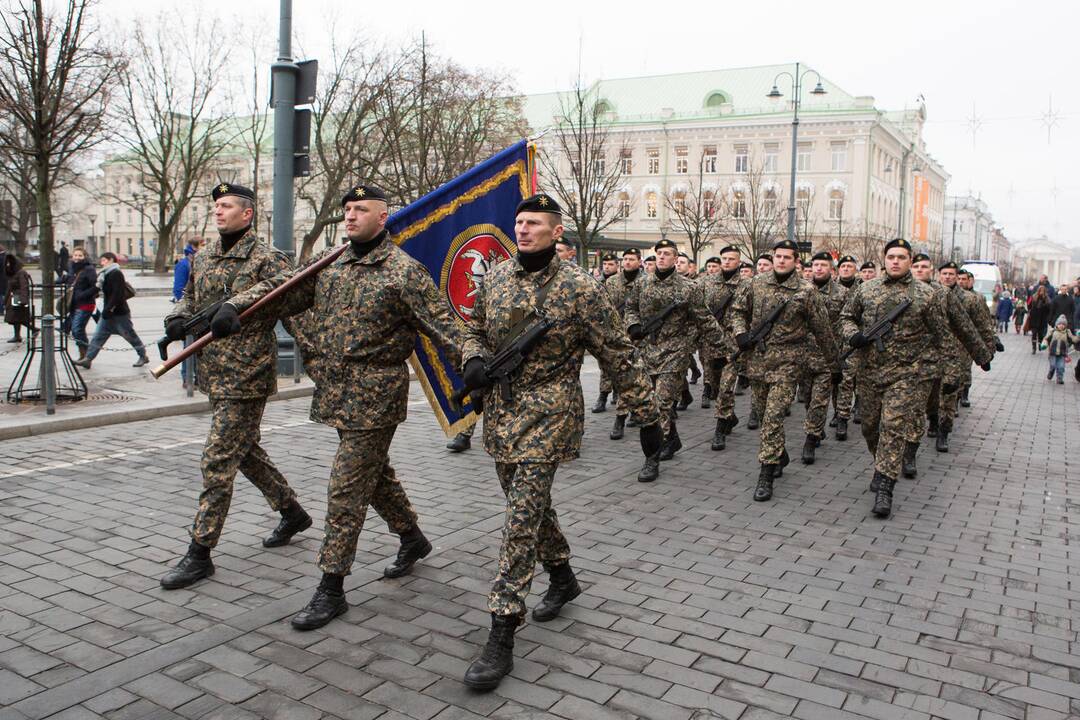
(968, 229)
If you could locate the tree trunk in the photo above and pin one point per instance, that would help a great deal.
(45, 240)
(164, 249)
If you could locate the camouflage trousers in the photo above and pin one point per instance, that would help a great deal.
(233, 444)
(530, 531)
(770, 402)
(892, 416)
(725, 391)
(605, 382)
(845, 394)
(817, 411)
(361, 476)
(667, 388)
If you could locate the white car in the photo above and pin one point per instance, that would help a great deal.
(987, 277)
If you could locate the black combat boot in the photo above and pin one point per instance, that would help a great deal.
(741, 384)
(832, 422)
(694, 372)
(907, 464)
(808, 449)
(942, 443)
(719, 438)
(685, 400)
(562, 588)
(672, 444)
(293, 520)
(964, 401)
(856, 413)
(601, 403)
(706, 396)
(650, 470)
(619, 428)
(841, 429)
(414, 546)
(497, 659)
(460, 443)
(931, 425)
(752, 423)
(803, 395)
(883, 498)
(194, 566)
(763, 491)
(784, 462)
(326, 604)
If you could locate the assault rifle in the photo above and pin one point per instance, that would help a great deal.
(880, 331)
(505, 363)
(657, 321)
(196, 326)
(720, 311)
(764, 328)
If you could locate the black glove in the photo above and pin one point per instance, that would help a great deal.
(718, 365)
(226, 322)
(474, 375)
(949, 388)
(742, 340)
(635, 332)
(985, 367)
(858, 340)
(174, 328)
(998, 346)
(837, 377)
(652, 439)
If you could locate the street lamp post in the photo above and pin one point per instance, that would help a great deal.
(140, 199)
(108, 235)
(269, 228)
(93, 242)
(797, 86)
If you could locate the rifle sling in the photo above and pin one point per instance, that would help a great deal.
(524, 323)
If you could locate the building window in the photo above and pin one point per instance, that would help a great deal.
(599, 167)
(650, 205)
(802, 200)
(681, 165)
(738, 204)
(654, 160)
(836, 205)
(772, 157)
(768, 208)
(623, 210)
(708, 159)
(678, 203)
(839, 156)
(708, 205)
(803, 157)
(626, 162)
(742, 158)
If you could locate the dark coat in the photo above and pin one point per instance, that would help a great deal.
(1062, 304)
(17, 298)
(85, 289)
(114, 302)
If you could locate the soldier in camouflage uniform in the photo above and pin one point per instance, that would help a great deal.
(847, 276)
(238, 375)
(824, 376)
(361, 316)
(609, 268)
(539, 423)
(764, 264)
(708, 391)
(618, 288)
(775, 368)
(896, 380)
(666, 352)
(720, 291)
(979, 312)
(685, 267)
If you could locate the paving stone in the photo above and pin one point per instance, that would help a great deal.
(163, 690)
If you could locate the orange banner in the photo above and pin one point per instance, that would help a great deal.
(920, 221)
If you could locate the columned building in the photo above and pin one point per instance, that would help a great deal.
(968, 228)
(1042, 256)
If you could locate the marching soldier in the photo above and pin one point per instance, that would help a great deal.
(824, 377)
(746, 270)
(774, 369)
(609, 267)
(720, 294)
(895, 381)
(844, 394)
(676, 307)
(363, 313)
(238, 375)
(980, 315)
(650, 264)
(618, 289)
(712, 269)
(685, 267)
(538, 424)
(868, 271)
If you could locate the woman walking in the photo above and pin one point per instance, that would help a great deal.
(1038, 317)
(18, 310)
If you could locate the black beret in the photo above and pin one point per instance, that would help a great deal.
(765, 256)
(746, 265)
(823, 255)
(665, 243)
(920, 257)
(541, 202)
(898, 243)
(563, 241)
(785, 245)
(684, 255)
(362, 192)
(610, 257)
(965, 272)
(631, 251)
(713, 259)
(727, 249)
(868, 265)
(651, 258)
(224, 189)
(847, 259)
(804, 263)
(948, 266)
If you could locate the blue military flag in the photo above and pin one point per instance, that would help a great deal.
(458, 232)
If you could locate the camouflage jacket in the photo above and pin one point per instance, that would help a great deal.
(979, 313)
(360, 325)
(243, 365)
(911, 351)
(802, 328)
(952, 358)
(668, 349)
(834, 295)
(618, 288)
(543, 418)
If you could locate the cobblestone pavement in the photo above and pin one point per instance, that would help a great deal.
(699, 602)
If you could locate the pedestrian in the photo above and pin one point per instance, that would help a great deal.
(539, 423)
(1058, 344)
(63, 262)
(115, 313)
(3, 274)
(1019, 313)
(1062, 304)
(84, 291)
(1038, 317)
(237, 374)
(182, 269)
(18, 305)
(361, 315)
(1004, 312)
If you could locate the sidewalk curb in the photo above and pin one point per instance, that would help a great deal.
(117, 417)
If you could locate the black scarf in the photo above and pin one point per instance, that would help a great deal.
(229, 239)
(783, 278)
(631, 275)
(664, 274)
(360, 249)
(536, 261)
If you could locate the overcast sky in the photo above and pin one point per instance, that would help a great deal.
(1001, 60)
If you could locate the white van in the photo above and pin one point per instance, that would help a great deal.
(987, 277)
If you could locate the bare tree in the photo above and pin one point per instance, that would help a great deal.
(754, 206)
(695, 210)
(868, 242)
(252, 130)
(805, 217)
(18, 211)
(56, 81)
(174, 119)
(581, 165)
